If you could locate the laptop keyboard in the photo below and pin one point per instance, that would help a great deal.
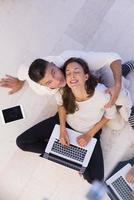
(122, 188)
(70, 151)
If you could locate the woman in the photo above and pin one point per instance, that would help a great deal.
(81, 105)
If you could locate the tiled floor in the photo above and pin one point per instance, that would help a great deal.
(31, 29)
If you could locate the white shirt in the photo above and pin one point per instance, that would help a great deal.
(90, 111)
(95, 60)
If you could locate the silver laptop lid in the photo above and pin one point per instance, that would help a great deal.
(120, 187)
(72, 136)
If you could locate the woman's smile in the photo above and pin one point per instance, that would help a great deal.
(73, 82)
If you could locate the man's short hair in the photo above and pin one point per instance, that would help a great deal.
(37, 69)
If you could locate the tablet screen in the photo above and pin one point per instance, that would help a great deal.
(12, 114)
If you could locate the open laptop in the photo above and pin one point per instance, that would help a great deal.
(118, 187)
(73, 156)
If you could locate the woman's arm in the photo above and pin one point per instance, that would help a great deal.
(62, 117)
(85, 138)
(98, 126)
(64, 139)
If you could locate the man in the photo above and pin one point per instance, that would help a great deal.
(98, 62)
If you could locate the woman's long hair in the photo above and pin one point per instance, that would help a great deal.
(69, 101)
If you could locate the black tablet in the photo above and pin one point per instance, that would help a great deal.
(12, 114)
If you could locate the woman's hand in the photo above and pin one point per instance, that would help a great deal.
(64, 138)
(84, 139)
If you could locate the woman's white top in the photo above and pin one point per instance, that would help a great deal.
(90, 111)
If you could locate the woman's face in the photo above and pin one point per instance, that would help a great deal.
(75, 76)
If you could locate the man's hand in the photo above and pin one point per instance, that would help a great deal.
(11, 82)
(84, 139)
(64, 138)
(114, 93)
(130, 177)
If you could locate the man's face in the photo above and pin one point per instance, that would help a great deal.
(54, 78)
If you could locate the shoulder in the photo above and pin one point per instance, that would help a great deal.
(100, 88)
(58, 97)
(100, 92)
(76, 53)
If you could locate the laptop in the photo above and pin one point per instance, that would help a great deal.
(73, 156)
(118, 187)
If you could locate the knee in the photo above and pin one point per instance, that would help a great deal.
(20, 143)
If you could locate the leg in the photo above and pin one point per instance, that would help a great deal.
(35, 139)
(106, 75)
(95, 168)
(127, 67)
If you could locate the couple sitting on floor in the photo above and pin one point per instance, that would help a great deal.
(82, 102)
